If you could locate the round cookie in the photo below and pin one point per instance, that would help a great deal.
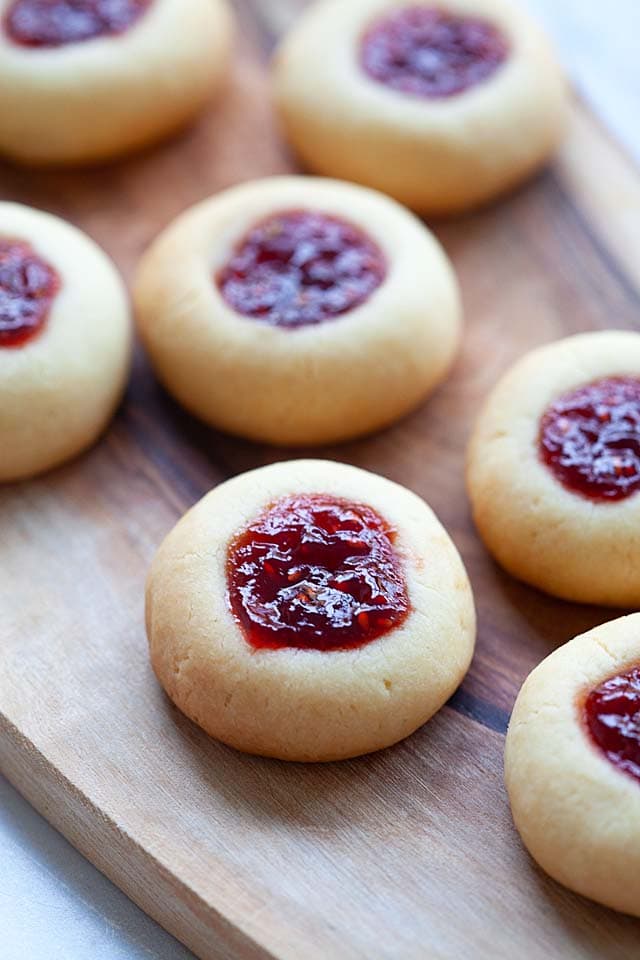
(442, 105)
(309, 611)
(572, 764)
(65, 341)
(554, 469)
(87, 80)
(298, 311)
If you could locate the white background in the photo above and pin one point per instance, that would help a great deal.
(53, 904)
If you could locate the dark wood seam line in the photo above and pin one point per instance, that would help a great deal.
(186, 488)
(474, 708)
(166, 493)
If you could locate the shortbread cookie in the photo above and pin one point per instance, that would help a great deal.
(443, 105)
(65, 341)
(87, 80)
(309, 611)
(298, 311)
(554, 469)
(573, 764)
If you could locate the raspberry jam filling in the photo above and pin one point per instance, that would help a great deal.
(54, 23)
(28, 286)
(316, 572)
(590, 439)
(612, 714)
(300, 268)
(428, 52)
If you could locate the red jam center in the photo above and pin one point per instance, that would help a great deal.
(428, 52)
(27, 288)
(613, 719)
(590, 439)
(301, 268)
(315, 572)
(53, 23)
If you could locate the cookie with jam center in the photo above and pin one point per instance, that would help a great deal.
(298, 311)
(309, 611)
(65, 341)
(572, 764)
(554, 469)
(443, 105)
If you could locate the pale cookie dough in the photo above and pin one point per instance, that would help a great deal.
(59, 389)
(539, 530)
(313, 384)
(306, 704)
(97, 98)
(437, 155)
(577, 812)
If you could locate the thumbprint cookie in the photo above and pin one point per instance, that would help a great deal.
(309, 611)
(65, 341)
(554, 469)
(443, 104)
(83, 81)
(572, 764)
(298, 311)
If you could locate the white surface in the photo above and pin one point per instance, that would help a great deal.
(598, 43)
(56, 906)
(53, 904)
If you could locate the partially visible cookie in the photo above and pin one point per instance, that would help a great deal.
(443, 105)
(309, 611)
(87, 81)
(554, 469)
(65, 341)
(298, 311)
(572, 764)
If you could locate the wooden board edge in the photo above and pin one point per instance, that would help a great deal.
(610, 203)
(149, 884)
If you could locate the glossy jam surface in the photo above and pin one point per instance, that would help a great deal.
(612, 713)
(54, 23)
(427, 52)
(27, 288)
(590, 439)
(300, 268)
(318, 573)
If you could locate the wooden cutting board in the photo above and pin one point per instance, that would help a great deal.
(407, 854)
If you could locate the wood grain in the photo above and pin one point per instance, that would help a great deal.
(407, 854)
